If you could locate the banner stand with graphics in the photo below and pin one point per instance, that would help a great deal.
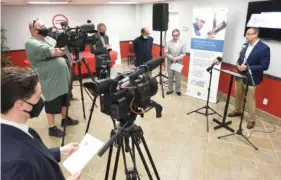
(207, 43)
(206, 48)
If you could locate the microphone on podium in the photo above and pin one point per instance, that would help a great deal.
(218, 60)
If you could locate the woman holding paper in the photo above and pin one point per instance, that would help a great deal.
(175, 51)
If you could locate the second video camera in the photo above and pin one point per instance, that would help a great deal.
(128, 93)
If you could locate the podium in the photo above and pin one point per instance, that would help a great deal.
(225, 124)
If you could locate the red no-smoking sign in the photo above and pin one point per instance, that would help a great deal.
(57, 19)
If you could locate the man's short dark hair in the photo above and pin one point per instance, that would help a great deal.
(16, 83)
(89, 21)
(257, 30)
(143, 30)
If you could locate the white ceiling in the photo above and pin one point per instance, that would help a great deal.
(77, 2)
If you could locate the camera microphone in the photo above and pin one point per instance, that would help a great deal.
(133, 75)
(218, 60)
(154, 63)
(148, 66)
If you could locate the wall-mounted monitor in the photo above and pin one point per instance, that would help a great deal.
(266, 15)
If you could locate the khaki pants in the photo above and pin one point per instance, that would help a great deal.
(171, 74)
(251, 101)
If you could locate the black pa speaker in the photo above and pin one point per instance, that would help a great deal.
(160, 16)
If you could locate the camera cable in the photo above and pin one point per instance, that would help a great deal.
(274, 128)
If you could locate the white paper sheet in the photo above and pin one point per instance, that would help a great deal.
(89, 147)
(177, 67)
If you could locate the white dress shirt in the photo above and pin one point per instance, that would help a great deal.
(23, 127)
(249, 50)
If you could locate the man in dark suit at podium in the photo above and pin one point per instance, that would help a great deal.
(253, 60)
(23, 154)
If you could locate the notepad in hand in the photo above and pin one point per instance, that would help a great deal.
(176, 67)
(88, 148)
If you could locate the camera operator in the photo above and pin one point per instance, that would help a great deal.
(53, 73)
(24, 155)
(100, 47)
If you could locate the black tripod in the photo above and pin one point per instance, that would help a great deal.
(123, 137)
(81, 87)
(79, 77)
(207, 107)
(240, 130)
(89, 87)
(160, 74)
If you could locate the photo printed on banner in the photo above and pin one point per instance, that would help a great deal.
(207, 43)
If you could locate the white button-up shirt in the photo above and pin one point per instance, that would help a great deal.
(249, 50)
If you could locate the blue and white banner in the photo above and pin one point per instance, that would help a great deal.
(207, 43)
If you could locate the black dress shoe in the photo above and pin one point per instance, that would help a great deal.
(234, 114)
(69, 122)
(178, 93)
(74, 99)
(169, 92)
(54, 131)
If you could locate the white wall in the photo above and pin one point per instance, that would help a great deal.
(120, 19)
(237, 11)
(126, 21)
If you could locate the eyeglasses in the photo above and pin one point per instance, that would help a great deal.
(250, 34)
(175, 35)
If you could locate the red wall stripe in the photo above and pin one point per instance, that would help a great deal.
(270, 88)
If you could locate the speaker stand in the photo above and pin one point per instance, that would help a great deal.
(160, 74)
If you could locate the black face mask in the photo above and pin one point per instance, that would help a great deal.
(102, 33)
(43, 32)
(36, 108)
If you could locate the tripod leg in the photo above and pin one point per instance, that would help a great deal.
(90, 117)
(249, 141)
(162, 87)
(142, 158)
(207, 117)
(88, 69)
(226, 135)
(215, 112)
(150, 157)
(81, 89)
(133, 156)
(196, 110)
(67, 110)
(108, 162)
(117, 158)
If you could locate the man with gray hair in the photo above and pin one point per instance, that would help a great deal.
(175, 51)
(53, 72)
(100, 46)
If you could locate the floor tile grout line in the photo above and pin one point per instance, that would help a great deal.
(276, 155)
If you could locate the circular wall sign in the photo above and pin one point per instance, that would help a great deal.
(57, 19)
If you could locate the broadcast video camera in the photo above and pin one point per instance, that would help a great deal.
(75, 38)
(128, 94)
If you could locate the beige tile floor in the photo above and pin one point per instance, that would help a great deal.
(179, 144)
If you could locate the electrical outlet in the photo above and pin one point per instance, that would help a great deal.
(265, 101)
